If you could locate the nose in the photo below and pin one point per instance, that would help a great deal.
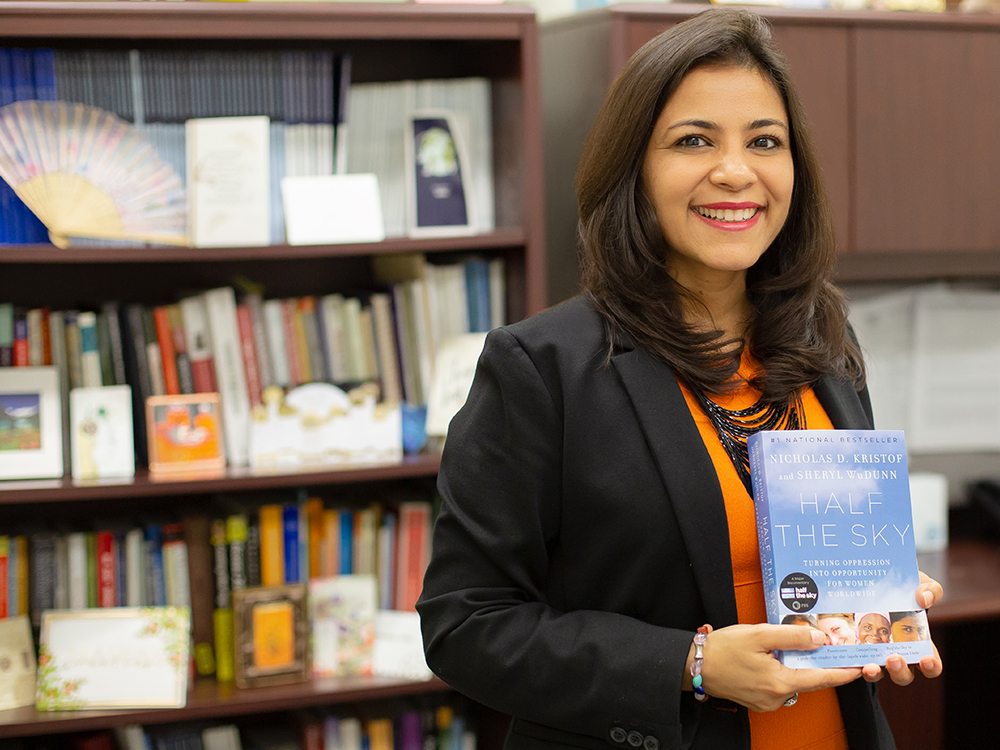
(733, 170)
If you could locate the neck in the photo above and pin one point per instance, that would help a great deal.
(726, 312)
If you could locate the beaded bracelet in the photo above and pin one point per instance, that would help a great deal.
(699, 644)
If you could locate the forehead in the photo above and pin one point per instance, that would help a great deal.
(716, 92)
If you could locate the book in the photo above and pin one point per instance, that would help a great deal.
(836, 540)
(228, 163)
(198, 341)
(413, 552)
(201, 558)
(342, 616)
(221, 308)
(272, 553)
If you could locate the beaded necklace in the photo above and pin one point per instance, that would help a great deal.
(734, 426)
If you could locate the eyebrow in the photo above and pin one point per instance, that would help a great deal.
(709, 125)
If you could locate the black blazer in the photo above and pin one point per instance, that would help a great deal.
(582, 539)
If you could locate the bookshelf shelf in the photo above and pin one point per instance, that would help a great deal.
(497, 240)
(234, 480)
(208, 699)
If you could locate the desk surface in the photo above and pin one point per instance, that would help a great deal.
(969, 570)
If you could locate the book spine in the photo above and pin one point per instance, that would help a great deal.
(156, 585)
(199, 344)
(762, 511)
(107, 578)
(314, 519)
(121, 569)
(272, 555)
(90, 358)
(256, 305)
(77, 555)
(185, 374)
(23, 600)
(6, 334)
(346, 541)
(222, 614)
(221, 305)
(288, 307)
(104, 349)
(330, 545)
(33, 317)
(253, 552)
(275, 329)
(110, 310)
(43, 575)
(236, 541)
(61, 593)
(168, 356)
(22, 356)
(201, 587)
(4, 574)
(248, 350)
(413, 553)
(290, 527)
(175, 566)
(154, 358)
(135, 573)
(92, 586)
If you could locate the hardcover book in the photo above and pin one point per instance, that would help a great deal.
(837, 551)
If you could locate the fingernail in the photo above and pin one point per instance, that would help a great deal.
(818, 637)
(928, 599)
(895, 663)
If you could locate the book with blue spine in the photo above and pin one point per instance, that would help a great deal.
(290, 526)
(835, 531)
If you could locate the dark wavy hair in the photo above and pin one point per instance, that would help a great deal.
(799, 330)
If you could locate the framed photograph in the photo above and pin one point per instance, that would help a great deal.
(31, 445)
(437, 169)
(185, 434)
(101, 438)
(271, 635)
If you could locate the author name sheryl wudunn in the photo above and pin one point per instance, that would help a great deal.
(885, 463)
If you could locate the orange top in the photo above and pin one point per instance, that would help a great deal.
(814, 722)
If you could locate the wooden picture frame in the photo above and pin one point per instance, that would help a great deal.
(31, 444)
(271, 635)
(185, 434)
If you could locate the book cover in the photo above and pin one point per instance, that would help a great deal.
(836, 543)
(342, 614)
(228, 163)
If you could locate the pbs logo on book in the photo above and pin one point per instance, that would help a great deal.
(798, 592)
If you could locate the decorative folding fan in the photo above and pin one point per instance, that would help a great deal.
(86, 173)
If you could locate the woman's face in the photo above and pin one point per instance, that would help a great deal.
(911, 628)
(838, 631)
(873, 628)
(718, 170)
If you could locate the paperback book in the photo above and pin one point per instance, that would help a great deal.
(837, 552)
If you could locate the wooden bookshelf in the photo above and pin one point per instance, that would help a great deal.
(208, 699)
(387, 42)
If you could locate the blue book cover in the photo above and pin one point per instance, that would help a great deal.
(837, 552)
(156, 584)
(290, 526)
(477, 293)
(346, 542)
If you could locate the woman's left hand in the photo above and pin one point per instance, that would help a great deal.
(929, 592)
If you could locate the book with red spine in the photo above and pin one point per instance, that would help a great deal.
(107, 569)
(414, 551)
(248, 351)
(22, 355)
(198, 340)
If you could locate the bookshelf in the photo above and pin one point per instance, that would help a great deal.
(387, 42)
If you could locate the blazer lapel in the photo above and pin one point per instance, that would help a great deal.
(687, 471)
(846, 408)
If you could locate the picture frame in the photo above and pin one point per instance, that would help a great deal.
(31, 440)
(271, 635)
(437, 176)
(101, 438)
(113, 657)
(185, 434)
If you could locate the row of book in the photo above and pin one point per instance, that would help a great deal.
(408, 725)
(306, 94)
(201, 559)
(215, 342)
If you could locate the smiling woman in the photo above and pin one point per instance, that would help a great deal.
(595, 570)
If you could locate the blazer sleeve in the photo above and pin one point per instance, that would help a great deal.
(488, 626)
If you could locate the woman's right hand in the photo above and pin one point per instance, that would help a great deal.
(739, 664)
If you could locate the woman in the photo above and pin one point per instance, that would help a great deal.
(594, 505)
(839, 628)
